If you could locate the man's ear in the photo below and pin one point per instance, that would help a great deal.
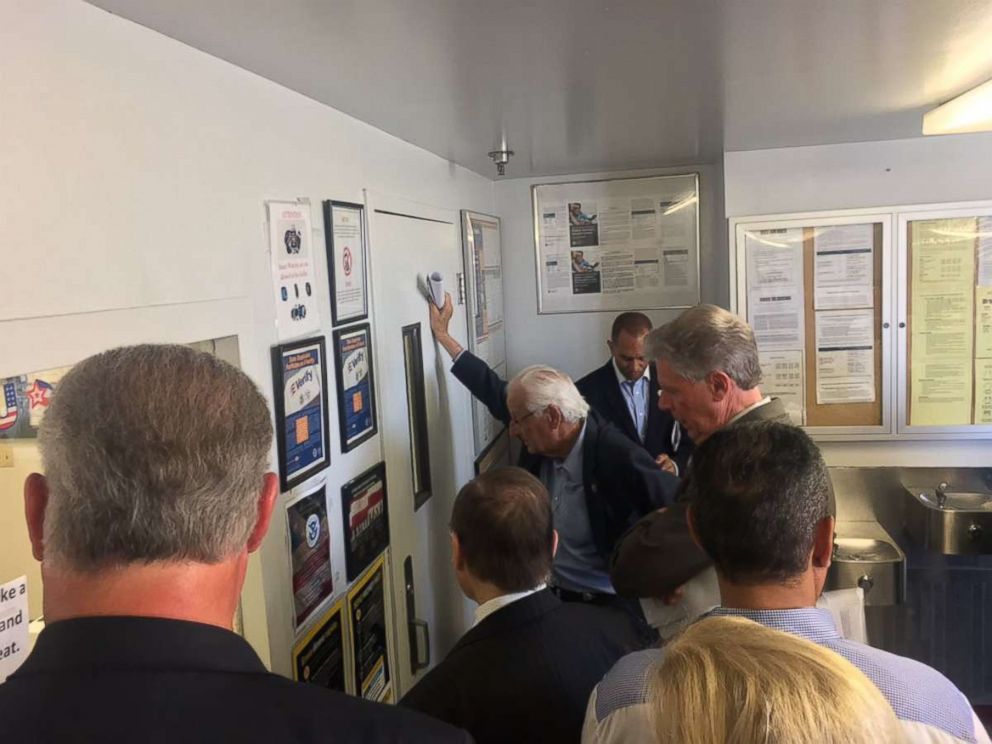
(609, 345)
(457, 557)
(35, 503)
(554, 543)
(690, 519)
(266, 503)
(719, 384)
(823, 543)
(554, 416)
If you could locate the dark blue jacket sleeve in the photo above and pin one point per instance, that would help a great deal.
(483, 383)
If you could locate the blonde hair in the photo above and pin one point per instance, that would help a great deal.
(733, 681)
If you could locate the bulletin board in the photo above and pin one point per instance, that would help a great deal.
(813, 290)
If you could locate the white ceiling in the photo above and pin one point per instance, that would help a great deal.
(586, 85)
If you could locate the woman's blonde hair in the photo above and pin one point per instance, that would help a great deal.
(728, 680)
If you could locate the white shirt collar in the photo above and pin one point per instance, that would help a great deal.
(621, 379)
(740, 414)
(497, 603)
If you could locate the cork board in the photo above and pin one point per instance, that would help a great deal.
(841, 414)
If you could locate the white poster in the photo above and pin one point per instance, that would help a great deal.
(293, 282)
(782, 377)
(984, 275)
(627, 244)
(775, 301)
(845, 356)
(844, 266)
(349, 300)
(13, 625)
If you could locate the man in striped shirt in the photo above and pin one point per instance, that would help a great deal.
(761, 509)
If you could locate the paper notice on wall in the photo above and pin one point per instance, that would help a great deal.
(782, 377)
(775, 302)
(983, 391)
(942, 316)
(14, 624)
(845, 356)
(984, 278)
(844, 266)
(983, 322)
(292, 262)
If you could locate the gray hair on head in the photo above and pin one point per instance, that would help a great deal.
(152, 453)
(545, 386)
(704, 339)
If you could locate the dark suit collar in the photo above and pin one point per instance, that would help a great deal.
(512, 616)
(100, 643)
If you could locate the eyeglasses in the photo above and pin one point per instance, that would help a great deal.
(521, 420)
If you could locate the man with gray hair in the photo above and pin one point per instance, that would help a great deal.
(155, 492)
(708, 370)
(600, 482)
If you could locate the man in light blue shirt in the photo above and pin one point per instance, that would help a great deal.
(761, 508)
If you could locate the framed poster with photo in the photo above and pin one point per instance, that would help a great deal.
(355, 385)
(366, 519)
(292, 264)
(299, 382)
(344, 238)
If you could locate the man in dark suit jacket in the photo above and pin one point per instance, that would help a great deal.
(154, 494)
(709, 372)
(524, 671)
(625, 392)
(600, 482)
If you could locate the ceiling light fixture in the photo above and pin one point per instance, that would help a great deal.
(969, 112)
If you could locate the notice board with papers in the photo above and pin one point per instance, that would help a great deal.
(814, 291)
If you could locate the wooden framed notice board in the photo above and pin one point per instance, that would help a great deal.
(815, 291)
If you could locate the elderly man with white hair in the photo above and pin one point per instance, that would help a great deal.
(600, 482)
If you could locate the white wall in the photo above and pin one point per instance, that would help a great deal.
(576, 342)
(867, 174)
(131, 209)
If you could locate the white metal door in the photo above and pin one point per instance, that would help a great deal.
(403, 246)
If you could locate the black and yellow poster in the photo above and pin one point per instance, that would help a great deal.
(318, 657)
(367, 613)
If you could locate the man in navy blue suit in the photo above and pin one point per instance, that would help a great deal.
(625, 392)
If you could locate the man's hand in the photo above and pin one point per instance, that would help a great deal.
(667, 464)
(440, 319)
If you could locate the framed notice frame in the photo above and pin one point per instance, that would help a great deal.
(318, 657)
(619, 244)
(310, 548)
(299, 388)
(482, 247)
(367, 617)
(355, 385)
(364, 508)
(344, 237)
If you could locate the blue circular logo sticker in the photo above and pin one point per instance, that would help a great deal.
(313, 530)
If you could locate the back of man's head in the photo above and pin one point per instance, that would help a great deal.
(502, 520)
(704, 339)
(152, 453)
(758, 492)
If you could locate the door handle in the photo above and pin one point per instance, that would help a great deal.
(414, 624)
(416, 664)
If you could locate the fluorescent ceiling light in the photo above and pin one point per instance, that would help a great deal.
(969, 112)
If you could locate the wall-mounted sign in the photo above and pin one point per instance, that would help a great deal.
(318, 657)
(344, 235)
(299, 382)
(310, 547)
(293, 278)
(367, 615)
(355, 384)
(365, 519)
